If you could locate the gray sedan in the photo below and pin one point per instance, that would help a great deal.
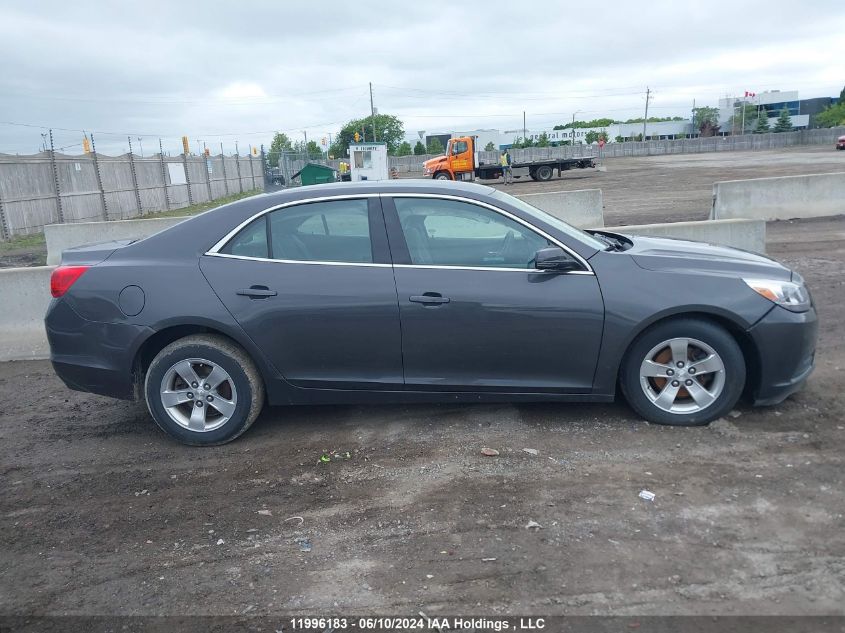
(420, 291)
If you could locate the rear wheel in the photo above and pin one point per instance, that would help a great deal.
(203, 390)
(543, 172)
(685, 372)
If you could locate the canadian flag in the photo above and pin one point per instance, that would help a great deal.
(750, 94)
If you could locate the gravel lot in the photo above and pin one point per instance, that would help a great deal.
(102, 514)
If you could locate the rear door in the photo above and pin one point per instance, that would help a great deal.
(476, 314)
(312, 284)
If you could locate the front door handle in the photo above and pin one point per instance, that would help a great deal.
(429, 298)
(257, 292)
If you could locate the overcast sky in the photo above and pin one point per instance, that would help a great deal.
(237, 70)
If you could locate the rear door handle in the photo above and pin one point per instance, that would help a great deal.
(257, 292)
(429, 298)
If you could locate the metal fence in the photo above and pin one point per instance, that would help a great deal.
(49, 187)
(745, 142)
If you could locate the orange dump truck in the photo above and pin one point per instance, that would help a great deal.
(461, 163)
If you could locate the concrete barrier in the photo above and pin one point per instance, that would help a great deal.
(24, 297)
(749, 235)
(784, 198)
(62, 236)
(581, 208)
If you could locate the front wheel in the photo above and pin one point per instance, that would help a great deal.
(203, 390)
(684, 372)
(442, 175)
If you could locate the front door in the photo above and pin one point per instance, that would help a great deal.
(313, 287)
(462, 159)
(475, 313)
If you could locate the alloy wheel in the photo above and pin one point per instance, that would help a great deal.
(682, 375)
(198, 394)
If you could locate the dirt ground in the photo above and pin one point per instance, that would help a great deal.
(679, 187)
(100, 513)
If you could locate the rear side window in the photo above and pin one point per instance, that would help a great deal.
(334, 231)
(251, 241)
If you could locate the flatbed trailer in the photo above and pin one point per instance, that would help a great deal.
(461, 162)
(535, 169)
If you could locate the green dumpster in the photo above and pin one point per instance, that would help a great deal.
(313, 174)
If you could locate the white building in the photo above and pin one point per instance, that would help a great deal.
(773, 101)
(368, 161)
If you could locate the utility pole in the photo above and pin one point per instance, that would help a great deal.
(524, 131)
(647, 99)
(373, 113)
(693, 118)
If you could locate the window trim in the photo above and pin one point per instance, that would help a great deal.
(588, 270)
(214, 251)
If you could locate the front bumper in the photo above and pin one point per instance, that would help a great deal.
(786, 345)
(92, 356)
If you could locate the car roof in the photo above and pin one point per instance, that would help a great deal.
(412, 185)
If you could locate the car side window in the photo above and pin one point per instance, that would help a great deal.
(459, 147)
(250, 241)
(442, 232)
(333, 231)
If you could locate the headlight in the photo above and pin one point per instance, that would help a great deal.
(787, 294)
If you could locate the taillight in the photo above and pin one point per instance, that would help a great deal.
(64, 277)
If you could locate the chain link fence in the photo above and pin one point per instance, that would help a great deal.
(49, 187)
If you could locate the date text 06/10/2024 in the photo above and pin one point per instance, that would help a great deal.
(418, 623)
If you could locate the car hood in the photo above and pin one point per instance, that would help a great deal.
(662, 253)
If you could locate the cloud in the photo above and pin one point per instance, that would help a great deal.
(222, 71)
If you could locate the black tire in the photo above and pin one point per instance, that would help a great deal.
(712, 335)
(543, 172)
(233, 360)
(442, 175)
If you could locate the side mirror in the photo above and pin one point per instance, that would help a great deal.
(554, 258)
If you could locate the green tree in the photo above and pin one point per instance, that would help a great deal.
(592, 136)
(619, 139)
(404, 149)
(543, 140)
(832, 116)
(784, 123)
(435, 147)
(419, 149)
(280, 143)
(389, 130)
(490, 147)
(737, 119)
(762, 125)
(313, 149)
(706, 114)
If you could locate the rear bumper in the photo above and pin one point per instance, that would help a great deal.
(786, 342)
(92, 356)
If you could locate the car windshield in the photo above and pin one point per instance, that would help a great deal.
(551, 220)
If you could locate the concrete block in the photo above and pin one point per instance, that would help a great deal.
(581, 208)
(784, 198)
(748, 235)
(24, 297)
(62, 236)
